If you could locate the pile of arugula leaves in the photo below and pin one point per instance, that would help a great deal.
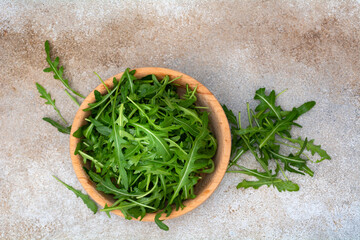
(145, 145)
(265, 137)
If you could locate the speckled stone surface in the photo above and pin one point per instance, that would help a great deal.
(233, 47)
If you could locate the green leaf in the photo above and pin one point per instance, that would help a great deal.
(304, 108)
(230, 115)
(59, 127)
(106, 186)
(103, 100)
(160, 223)
(122, 120)
(86, 199)
(186, 124)
(101, 128)
(280, 184)
(58, 71)
(281, 126)
(310, 146)
(160, 144)
(79, 133)
(250, 130)
(45, 95)
(119, 156)
(130, 77)
(267, 102)
(192, 156)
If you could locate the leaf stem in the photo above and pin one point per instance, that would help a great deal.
(72, 97)
(282, 171)
(281, 92)
(107, 89)
(249, 115)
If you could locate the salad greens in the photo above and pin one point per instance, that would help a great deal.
(265, 137)
(57, 70)
(146, 146)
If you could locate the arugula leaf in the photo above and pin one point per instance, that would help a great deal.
(159, 142)
(101, 128)
(45, 95)
(58, 71)
(120, 156)
(192, 156)
(86, 199)
(160, 223)
(260, 139)
(230, 115)
(72, 97)
(281, 126)
(310, 146)
(59, 127)
(280, 184)
(267, 102)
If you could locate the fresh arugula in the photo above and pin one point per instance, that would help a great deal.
(86, 199)
(58, 74)
(45, 95)
(59, 127)
(147, 146)
(57, 70)
(269, 126)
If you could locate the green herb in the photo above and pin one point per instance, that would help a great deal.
(147, 146)
(59, 127)
(45, 95)
(267, 126)
(160, 223)
(86, 199)
(72, 97)
(57, 70)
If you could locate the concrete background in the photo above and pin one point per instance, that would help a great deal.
(233, 47)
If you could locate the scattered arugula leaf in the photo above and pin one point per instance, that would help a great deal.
(267, 124)
(57, 70)
(86, 199)
(45, 95)
(59, 127)
(160, 223)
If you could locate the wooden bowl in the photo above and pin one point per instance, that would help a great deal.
(218, 123)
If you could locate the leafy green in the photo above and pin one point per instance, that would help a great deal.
(280, 184)
(310, 146)
(267, 124)
(45, 95)
(160, 223)
(267, 102)
(72, 97)
(57, 70)
(59, 127)
(86, 199)
(143, 144)
(147, 146)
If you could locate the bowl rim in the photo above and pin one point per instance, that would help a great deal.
(224, 142)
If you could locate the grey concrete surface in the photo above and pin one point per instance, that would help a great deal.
(233, 47)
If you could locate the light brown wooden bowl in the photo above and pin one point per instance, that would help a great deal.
(218, 123)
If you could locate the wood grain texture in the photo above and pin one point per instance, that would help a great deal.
(217, 121)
